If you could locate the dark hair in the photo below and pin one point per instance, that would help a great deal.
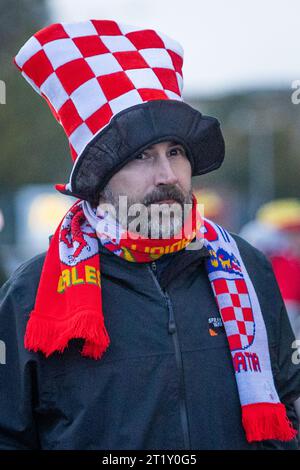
(95, 197)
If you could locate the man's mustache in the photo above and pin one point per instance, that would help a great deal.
(164, 194)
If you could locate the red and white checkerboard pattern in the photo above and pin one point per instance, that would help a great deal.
(90, 71)
(234, 304)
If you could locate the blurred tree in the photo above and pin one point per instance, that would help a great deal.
(273, 112)
(18, 17)
(32, 148)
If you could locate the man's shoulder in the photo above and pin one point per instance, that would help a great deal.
(28, 273)
(18, 293)
(31, 266)
(251, 255)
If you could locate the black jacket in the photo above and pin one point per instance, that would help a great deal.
(166, 380)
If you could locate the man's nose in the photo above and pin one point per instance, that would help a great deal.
(164, 173)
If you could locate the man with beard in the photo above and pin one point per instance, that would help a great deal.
(128, 334)
(156, 184)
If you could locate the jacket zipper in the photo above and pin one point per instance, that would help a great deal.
(172, 329)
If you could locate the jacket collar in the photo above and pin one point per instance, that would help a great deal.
(181, 261)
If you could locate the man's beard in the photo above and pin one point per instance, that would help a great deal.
(147, 218)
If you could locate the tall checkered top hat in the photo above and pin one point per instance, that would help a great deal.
(115, 89)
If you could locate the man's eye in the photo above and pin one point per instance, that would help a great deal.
(177, 150)
(142, 156)
(173, 152)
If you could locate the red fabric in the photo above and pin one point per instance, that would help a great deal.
(102, 67)
(68, 304)
(107, 27)
(39, 67)
(263, 421)
(287, 272)
(75, 312)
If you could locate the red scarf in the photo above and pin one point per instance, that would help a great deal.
(68, 304)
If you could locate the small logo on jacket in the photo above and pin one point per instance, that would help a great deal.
(215, 326)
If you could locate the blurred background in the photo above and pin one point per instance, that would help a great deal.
(241, 65)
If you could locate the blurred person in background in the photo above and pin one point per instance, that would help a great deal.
(118, 338)
(276, 232)
(211, 201)
(284, 216)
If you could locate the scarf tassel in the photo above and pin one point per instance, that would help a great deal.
(263, 421)
(49, 335)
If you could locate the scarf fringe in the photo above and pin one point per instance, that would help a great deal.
(48, 335)
(263, 421)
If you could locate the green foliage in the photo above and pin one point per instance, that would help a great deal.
(271, 112)
(33, 146)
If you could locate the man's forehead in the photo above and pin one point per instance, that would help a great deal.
(170, 143)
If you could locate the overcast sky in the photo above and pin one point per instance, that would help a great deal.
(228, 44)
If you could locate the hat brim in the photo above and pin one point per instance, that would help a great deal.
(136, 128)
